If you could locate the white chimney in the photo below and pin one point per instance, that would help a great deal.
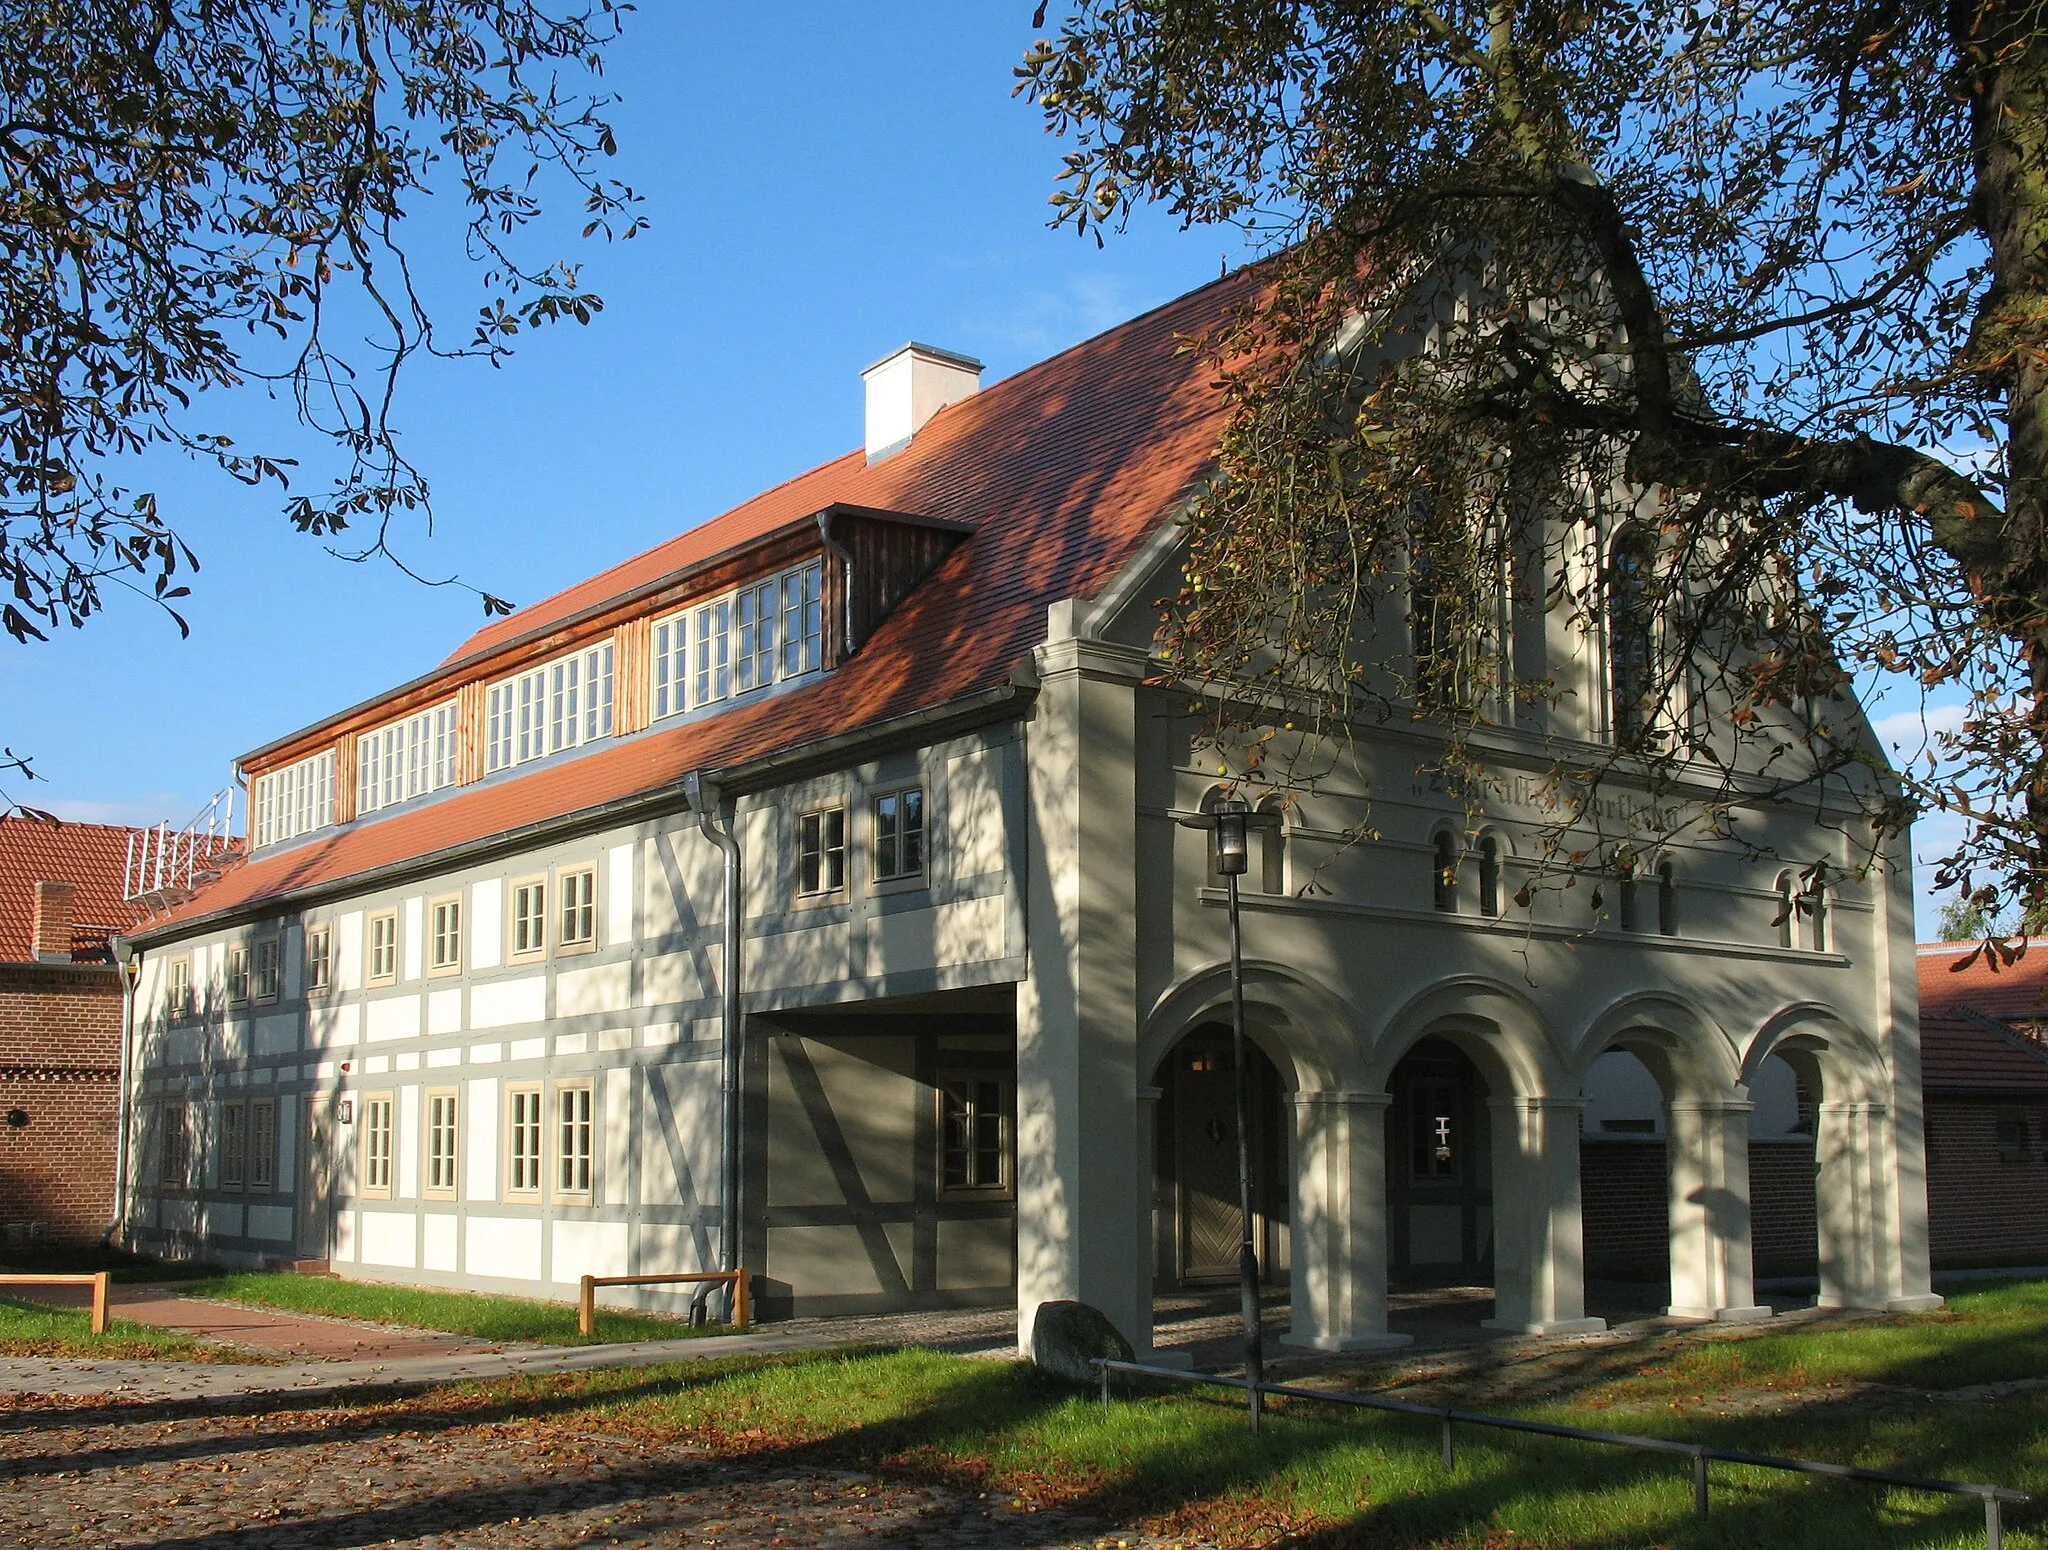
(907, 387)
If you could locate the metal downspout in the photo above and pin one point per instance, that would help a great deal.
(129, 962)
(704, 797)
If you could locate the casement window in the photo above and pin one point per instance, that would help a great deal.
(234, 1145)
(292, 801)
(974, 1133)
(821, 851)
(1443, 852)
(383, 944)
(319, 958)
(898, 818)
(238, 975)
(442, 1137)
(265, 975)
(174, 1166)
(262, 1143)
(572, 1139)
(529, 923)
(560, 704)
(577, 889)
(760, 634)
(377, 1145)
(444, 948)
(178, 988)
(523, 1134)
(407, 759)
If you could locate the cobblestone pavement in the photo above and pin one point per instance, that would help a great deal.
(179, 1477)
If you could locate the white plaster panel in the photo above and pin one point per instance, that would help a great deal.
(415, 938)
(619, 901)
(443, 1057)
(486, 922)
(481, 1173)
(975, 807)
(572, 1043)
(486, 1054)
(691, 1140)
(506, 1002)
(287, 1141)
(968, 931)
(810, 955)
(395, 1017)
(444, 1011)
(503, 1247)
(348, 951)
(334, 1025)
(439, 1250)
(223, 1219)
(975, 1254)
(390, 1238)
(658, 902)
(618, 1136)
(607, 987)
(614, 1038)
(526, 1049)
(277, 1034)
(344, 1235)
(588, 1249)
(408, 1143)
(270, 1223)
(409, 1061)
(376, 1065)
(661, 1033)
(674, 977)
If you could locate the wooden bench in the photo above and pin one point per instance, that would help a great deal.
(586, 1308)
(98, 1282)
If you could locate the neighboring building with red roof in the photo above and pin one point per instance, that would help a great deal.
(1984, 1070)
(61, 1001)
(869, 774)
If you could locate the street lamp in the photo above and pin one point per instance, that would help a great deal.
(1230, 821)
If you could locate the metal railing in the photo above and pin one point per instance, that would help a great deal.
(164, 860)
(1994, 1497)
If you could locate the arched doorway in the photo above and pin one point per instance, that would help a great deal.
(1439, 1170)
(1198, 1225)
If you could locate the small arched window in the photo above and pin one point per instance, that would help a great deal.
(1667, 900)
(1625, 898)
(1787, 909)
(1489, 875)
(1444, 878)
(1817, 913)
(1631, 636)
(1273, 847)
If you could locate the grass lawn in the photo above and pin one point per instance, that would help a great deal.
(1180, 1463)
(29, 1328)
(460, 1313)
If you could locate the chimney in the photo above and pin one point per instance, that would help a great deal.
(907, 387)
(53, 922)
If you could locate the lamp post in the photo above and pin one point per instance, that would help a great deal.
(1230, 822)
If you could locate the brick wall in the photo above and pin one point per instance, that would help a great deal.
(1622, 1194)
(1986, 1204)
(60, 1052)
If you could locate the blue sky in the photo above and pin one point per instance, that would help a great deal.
(824, 182)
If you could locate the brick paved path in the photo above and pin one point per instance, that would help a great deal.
(188, 1477)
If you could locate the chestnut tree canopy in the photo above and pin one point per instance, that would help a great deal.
(1783, 264)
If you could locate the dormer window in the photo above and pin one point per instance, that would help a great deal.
(294, 800)
(407, 759)
(747, 639)
(546, 709)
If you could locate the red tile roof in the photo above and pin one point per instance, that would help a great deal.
(1060, 471)
(1962, 1046)
(90, 856)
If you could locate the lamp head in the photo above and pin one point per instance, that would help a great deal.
(1233, 846)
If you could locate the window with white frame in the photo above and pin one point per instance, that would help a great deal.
(441, 1140)
(558, 705)
(523, 1134)
(578, 889)
(178, 988)
(572, 1139)
(407, 759)
(174, 1169)
(748, 639)
(238, 975)
(377, 1141)
(319, 957)
(234, 1145)
(294, 800)
(898, 819)
(974, 1132)
(264, 975)
(821, 851)
(445, 937)
(530, 918)
(262, 1143)
(383, 965)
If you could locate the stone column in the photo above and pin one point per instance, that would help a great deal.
(1339, 1276)
(1861, 1260)
(1708, 1170)
(1539, 1271)
(1082, 1165)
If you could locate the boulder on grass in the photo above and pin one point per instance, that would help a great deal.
(1067, 1336)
